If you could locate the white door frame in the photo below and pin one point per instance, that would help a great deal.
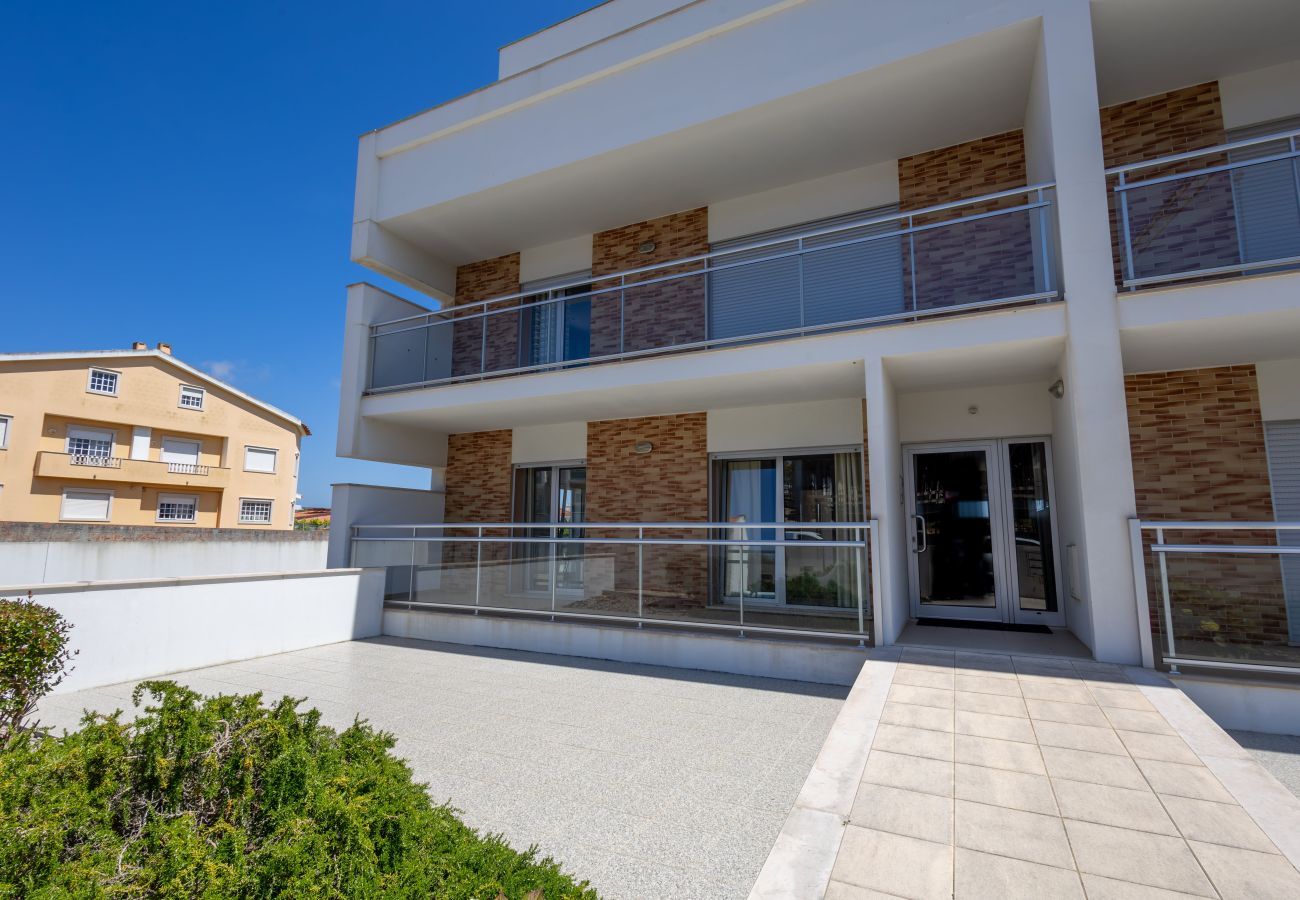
(1006, 606)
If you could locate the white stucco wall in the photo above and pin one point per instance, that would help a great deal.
(46, 562)
(559, 258)
(821, 423)
(1015, 410)
(125, 630)
(368, 504)
(1261, 95)
(1279, 389)
(563, 442)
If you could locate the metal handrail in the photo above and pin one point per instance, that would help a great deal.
(1207, 151)
(754, 245)
(1162, 550)
(745, 525)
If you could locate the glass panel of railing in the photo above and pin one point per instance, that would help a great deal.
(445, 570)
(853, 274)
(596, 578)
(973, 260)
(397, 356)
(394, 556)
(1180, 226)
(1267, 203)
(752, 293)
(680, 585)
(661, 309)
(1226, 607)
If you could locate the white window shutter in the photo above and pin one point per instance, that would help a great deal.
(259, 459)
(85, 505)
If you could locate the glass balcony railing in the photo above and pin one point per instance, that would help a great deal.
(1224, 211)
(803, 578)
(1222, 595)
(994, 250)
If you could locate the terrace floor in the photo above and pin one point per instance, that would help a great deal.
(650, 782)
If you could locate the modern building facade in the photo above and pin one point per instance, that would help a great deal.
(137, 437)
(828, 316)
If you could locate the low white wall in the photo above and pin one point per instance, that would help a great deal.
(53, 562)
(369, 504)
(126, 630)
(1246, 705)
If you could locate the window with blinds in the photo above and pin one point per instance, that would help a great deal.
(1283, 442)
(259, 459)
(88, 506)
(1268, 207)
(852, 273)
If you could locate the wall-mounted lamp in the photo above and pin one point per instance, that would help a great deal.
(1057, 389)
(647, 247)
(643, 447)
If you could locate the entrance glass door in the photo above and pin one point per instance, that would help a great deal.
(554, 496)
(983, 539)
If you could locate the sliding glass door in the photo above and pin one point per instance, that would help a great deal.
(554, 496)
(795, 487)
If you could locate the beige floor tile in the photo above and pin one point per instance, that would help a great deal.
(894, 864)
(1124, 808)
(1077, 737)
(983, 876)
(917, 716)
(1139, 720)
(987, 684)
(999, 787)
(991, 703)
(988, 663)
(1113, 697)
(909, 813)
(911, 773)
(1029, 665)
(1099, 888)
(1137, 856)
(1246, 874)
(1217, 823)
(1069, 713)
(921, 656)
(1166, 747)
(1014, 756)
(920, 696)
(1012, 832)
(1004, 728)
(1095, 768)
(1034, 689)
(1181, 780)
(913, 741)
(924, 677)
(841, 890)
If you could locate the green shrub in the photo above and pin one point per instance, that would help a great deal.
(227, 797)
(34, 657)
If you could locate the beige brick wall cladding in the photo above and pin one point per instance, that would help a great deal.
(1198, 454)
(478, 490)
(983, 260)
(668, 484)
(482, 280)
(664, 314)
(1185, 224)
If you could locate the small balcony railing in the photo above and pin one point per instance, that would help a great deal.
(990, 251)
(96, 460)
(1226, 594)
(180, 468)
(1224, 211)
(810, 579)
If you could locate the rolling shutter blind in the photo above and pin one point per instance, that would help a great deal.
(1283, 441)
(829, 284)
(257, 459)
(1268, 217)
(177, 451)
(85, 505)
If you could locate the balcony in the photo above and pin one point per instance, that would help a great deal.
(136, 471)
(1223, 212)
(987, 252)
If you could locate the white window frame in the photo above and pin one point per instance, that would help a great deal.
(108, 512)
(270, 511)
(275, 459)
(6, 423)
(112, 440)
(90, 381)
(180, 401)
(180, 499)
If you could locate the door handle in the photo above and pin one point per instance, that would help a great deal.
(924, 544)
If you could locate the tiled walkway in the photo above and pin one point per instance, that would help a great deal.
(651, 782)
(978, 775)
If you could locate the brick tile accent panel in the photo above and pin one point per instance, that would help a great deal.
(664, 314)
(484, 280)
(984, 260)
(1198, 450)
(669, 484)
(1181, 225)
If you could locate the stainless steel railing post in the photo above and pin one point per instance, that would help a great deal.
(861, 559)
(1164, 598)
(478, 569)
(410, 576)
(554, 567)
(640, 575)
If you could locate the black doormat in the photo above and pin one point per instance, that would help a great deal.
(985, 626)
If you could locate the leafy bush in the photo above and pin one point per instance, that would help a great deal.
(227, 797)
(33, 658)
(311, 525)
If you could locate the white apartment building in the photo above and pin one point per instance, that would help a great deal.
(847, 319)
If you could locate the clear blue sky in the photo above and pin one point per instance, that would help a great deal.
(183, 171)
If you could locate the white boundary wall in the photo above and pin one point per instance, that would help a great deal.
(56, 562)
(126, 630)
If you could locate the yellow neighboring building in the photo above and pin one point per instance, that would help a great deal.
(137, 437)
